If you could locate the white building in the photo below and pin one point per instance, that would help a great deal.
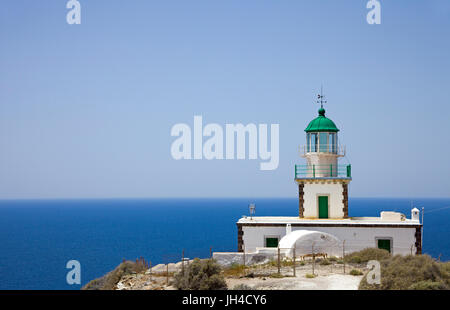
(324, 211)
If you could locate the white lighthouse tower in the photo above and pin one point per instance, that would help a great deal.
(323, 209)
(322, 182)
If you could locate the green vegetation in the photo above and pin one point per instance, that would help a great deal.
(418, 272)
(201, 275)
(310, 275)
(110, 280)
(366, 255)
(427, 285)
(356, 272)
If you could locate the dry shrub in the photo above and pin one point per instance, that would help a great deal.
(110, 280)
(356, 272)
(427, 285)
(242, 287)
(235, 270)
(366, 255)
(411, 273)
(201, 275)
(277, 276)
(333, 259)
(325, 262)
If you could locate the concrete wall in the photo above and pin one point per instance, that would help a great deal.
(356, 238)
(229, 258)
(335, 198)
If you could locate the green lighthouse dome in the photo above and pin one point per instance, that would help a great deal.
(321, 124)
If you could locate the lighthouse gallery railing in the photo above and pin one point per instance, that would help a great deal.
(323, 171)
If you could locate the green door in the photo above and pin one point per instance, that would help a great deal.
(323, 207)
(384, 244)
(271, 242)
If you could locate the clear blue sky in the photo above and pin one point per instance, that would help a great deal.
(86, 110)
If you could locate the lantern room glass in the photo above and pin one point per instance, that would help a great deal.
(314, 142)
(324, 142)
(332, 143)
(308, 142)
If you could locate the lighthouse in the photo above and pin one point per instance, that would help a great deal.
(322, 181)
(323, 211)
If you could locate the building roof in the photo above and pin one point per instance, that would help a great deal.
(295, 220)
(321, 123)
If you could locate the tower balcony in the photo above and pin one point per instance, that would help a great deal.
(323, 171)
(326, 149)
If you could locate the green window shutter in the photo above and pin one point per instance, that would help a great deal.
(384, 244)
(271, 242)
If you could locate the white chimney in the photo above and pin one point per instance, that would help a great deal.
(288, 229)
(415, 214)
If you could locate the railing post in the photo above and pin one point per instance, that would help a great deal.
(343, 254)
(314, 171)
(314, 258)
(293, 258)
(279, 261)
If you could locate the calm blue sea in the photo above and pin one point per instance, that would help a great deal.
(38, 237)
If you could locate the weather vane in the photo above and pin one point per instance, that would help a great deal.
(320, 97)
